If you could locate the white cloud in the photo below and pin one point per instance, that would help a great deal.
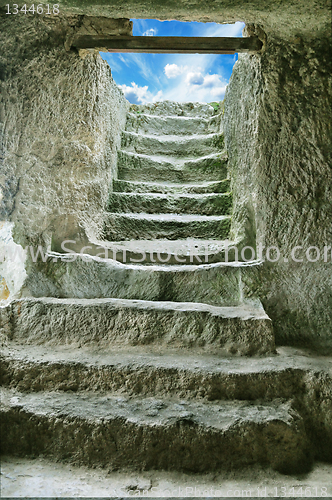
(195, 63)
(173, 70)
(134, 94)
(140, 95)
(182, 77)
(194, 78)
(158, 96)
(192, 82)
(197, 85)
(150, 32)
(212, 81)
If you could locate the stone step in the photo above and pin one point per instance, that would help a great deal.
(189, 251)
(122, 186)
(158, 168)
(126, 226)
(140, 372)
(155, 203)
(150, 433)
(171, 108)
(171, 125)
(162, 326)
(94, 277)
(174, 145)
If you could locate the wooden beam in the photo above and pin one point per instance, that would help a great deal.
(169, 44)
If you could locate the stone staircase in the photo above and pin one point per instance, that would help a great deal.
(160, 357)
(172, 183)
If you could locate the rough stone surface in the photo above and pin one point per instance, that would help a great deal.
(134, 226)
(278, 136)
(188, 146)
(219, 284)
(152, 433)
(143, 167)
(61, 117)
(287, 18)
(123, 186)
(175, 109)
(186, 251)
(165, 325)
(150, 124)
(153, 203)
(132, 372)
(283, 94)
(187, 375)
(171, 217)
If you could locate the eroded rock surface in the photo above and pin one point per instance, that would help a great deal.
(278, 136)
(61, 120)
(176, 407)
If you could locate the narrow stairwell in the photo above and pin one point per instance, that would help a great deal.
(158, 358)
(170, 214)
(172, 192)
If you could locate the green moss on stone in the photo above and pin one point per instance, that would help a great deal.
(215, 105)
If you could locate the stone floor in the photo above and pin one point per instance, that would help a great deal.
(26, 478)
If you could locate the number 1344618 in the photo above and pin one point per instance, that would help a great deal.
(32, 9)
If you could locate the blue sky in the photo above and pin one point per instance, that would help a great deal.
(176, 77)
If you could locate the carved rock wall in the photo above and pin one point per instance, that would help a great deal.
(278, 135)
(61, 117)
(61, 114)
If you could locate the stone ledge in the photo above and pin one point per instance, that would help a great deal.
(144, 371)
(152, 433)
(108, 323)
